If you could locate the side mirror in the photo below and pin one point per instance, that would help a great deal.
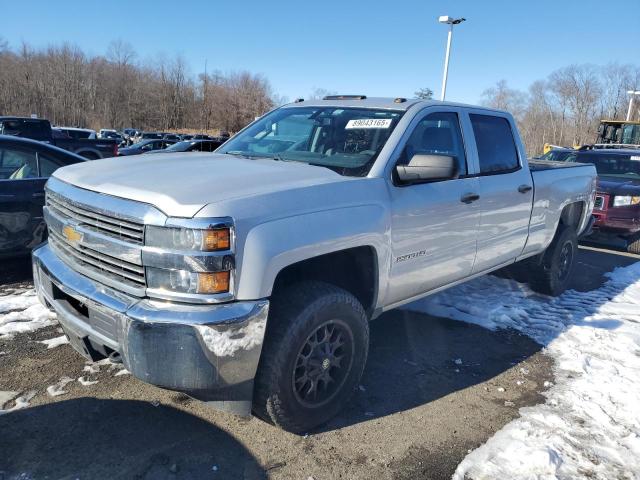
(423, 168)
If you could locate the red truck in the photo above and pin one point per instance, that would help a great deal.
(617, 203)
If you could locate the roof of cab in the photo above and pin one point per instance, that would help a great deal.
(388, 103)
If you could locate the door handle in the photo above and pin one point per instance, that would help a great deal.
(524, 188)
(469, 197)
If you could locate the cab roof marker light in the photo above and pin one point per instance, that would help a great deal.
(298, 100)
(345, 97)
(400, 100)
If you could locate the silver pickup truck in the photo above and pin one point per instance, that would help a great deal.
(247, 277)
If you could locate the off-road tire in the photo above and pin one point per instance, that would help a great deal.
(549, 274)
(296, 313)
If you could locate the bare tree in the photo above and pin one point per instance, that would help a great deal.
(424, 93)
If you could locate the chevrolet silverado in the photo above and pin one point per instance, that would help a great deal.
(247, 277)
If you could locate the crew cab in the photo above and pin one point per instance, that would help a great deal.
(40, 129)
(247, 277)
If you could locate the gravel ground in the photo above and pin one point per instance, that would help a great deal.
(416, 415)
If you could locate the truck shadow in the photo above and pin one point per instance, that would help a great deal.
(412, 356)
(412, 361)
(95, 438)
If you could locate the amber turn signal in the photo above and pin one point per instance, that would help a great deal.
(213, 282)
(218, 239)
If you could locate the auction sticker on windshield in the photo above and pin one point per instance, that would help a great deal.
(369, 123)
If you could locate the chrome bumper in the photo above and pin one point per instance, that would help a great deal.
(210, 352)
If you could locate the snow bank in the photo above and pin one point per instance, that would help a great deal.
(22, 312)
(589, 426)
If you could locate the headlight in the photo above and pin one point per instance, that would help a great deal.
(625, 201)
(183, 281)
(175, 238)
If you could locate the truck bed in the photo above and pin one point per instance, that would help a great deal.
(542, 165)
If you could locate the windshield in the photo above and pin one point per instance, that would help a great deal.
(618, 166)
(559, 156)
(179, 147)
(346, 140)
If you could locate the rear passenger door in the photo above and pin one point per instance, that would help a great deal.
(506, 190)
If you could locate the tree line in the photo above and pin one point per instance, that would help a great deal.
(116, 90)
(566, 107)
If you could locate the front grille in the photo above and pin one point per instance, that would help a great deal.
(97, 259)
(127, 230)
(118, 270)
(598, 204)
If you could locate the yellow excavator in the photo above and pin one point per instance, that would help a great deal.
(611, 134)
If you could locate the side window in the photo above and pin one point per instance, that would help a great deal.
(437, 133)
(17, 164)
(496, 148)
(48, 165)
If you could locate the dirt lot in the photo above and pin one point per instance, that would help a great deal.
(416, 414)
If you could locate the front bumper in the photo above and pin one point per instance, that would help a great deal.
(209, 352)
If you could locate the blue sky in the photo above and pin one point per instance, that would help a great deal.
(375, 48)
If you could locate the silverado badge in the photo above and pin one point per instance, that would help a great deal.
(71, 234)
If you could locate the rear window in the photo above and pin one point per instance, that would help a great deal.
(612, 164)
(496, 148)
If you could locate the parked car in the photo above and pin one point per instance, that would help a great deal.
(192, 146)
(186, 136)
(224, 134)
(104, 132)
(25, 166)
(151, 136)
(171, 136)
(247, 277)
(201, 136)
(617, 203)
(560, 155)
(78, 133)
(40, 129)
(145, 146)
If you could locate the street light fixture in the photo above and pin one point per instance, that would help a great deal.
(631, 94)
(451, 22)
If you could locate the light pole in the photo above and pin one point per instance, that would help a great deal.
(451, 22)
(631, 94)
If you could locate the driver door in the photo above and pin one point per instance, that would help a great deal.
(434, 225)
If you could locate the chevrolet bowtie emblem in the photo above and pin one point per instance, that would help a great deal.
(71, 234)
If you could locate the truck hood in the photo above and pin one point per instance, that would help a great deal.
(181, 184)
(618, 186)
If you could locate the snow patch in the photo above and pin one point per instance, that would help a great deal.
(57, 389)
(21, 402)
(589, 426)
(22, 312)
(55, 342)
(86, 383)
(124, 371)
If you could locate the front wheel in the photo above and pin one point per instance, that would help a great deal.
(313, 357)
(551, 274)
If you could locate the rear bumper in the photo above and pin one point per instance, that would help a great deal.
(210, 352)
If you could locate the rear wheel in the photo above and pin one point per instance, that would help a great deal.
(313, 356)
(551, 273)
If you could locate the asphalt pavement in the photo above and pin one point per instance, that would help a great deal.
(416, 414)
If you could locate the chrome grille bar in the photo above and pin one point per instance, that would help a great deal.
(115, 227)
